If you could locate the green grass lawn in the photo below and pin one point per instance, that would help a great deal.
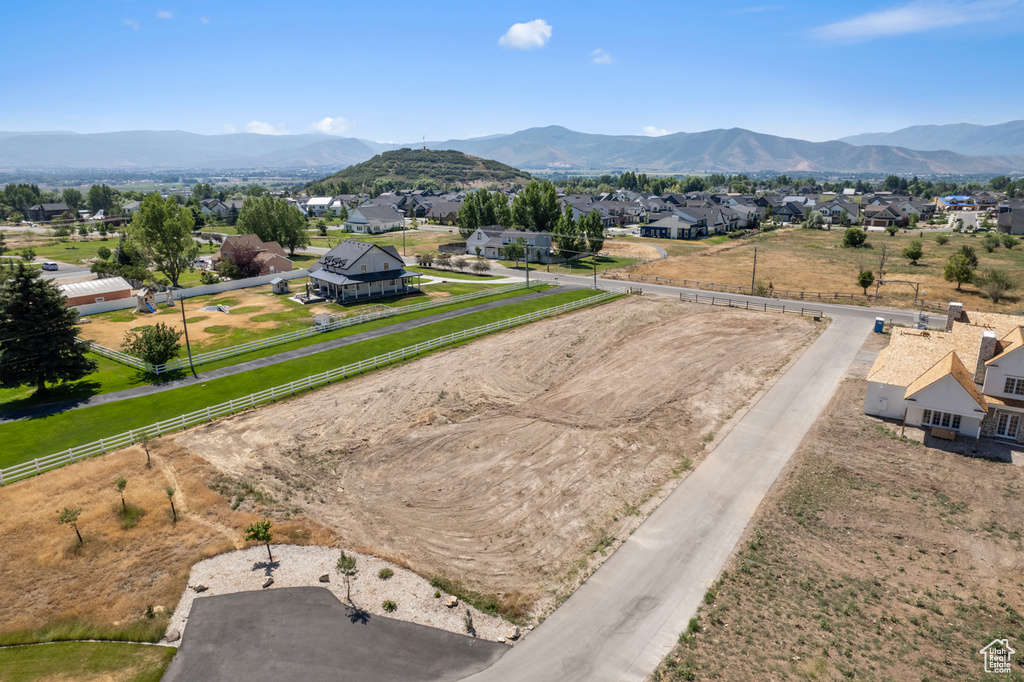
(113, 376)
(74, 251)
(415, 240)
(582, 266)
(468, 275)
(27, 439)
(85, 660)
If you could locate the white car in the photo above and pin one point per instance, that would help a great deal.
(49, 265)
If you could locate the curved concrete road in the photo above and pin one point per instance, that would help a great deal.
(623, 621)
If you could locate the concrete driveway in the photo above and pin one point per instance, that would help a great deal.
(305, 633)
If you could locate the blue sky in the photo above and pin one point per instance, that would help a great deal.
(400, 71)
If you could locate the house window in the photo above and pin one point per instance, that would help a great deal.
(392, 282)
(1014, 386)
(386, 265)
(943, 419)
(362, 268)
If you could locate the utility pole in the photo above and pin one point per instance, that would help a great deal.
(594, 256)
(753, 276)
(187, 346)
(527, 259)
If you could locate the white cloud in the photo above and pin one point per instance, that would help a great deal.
(916, 17)
(205, 20)
(132, 23)
(654, 131)
(599, 56)
(261, 128)
(228, 128)
(164, 14)
(526, 36)
(329, 126)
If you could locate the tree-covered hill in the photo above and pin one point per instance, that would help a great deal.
(419, 169)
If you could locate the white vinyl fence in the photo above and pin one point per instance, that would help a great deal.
(332, 323)
(103, 445)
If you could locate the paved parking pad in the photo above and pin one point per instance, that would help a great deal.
(305, 633)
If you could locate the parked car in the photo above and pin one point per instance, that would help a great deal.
(49, 265)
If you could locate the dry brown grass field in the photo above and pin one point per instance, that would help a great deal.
(873, 558)
(814, 260)
(110, 580)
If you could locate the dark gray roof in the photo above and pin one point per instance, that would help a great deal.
(375, 214)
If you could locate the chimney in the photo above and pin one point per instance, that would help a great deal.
(986, 351)
(953, 315)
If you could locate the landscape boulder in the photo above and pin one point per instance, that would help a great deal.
(325, 578)
(270, 581)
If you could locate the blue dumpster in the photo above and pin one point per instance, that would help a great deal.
(879, 325)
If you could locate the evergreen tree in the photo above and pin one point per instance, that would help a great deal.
(564, 234)
(592, 232)
(38, 334)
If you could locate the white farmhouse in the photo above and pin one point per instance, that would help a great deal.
(966, 380)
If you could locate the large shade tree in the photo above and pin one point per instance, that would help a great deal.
(162, 231)
(38, 335)
(273, 220)
(536, 207)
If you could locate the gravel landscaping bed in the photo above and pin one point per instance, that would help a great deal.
(302, 566)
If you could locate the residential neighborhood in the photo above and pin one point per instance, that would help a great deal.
(502, 377)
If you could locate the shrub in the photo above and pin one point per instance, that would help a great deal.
(892, 230)
(914, 251)
(693, 627)
(1009, 241)
(995, 284)
(991, 242)
(207, 277)
(390, 606)
(103, 252)
(941, 239)
(481, 266)
(130, 516)
(854, 237)
(958, 269)
(865, 279)
(154, 344)
(385, 573)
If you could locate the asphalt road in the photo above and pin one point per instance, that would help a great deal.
(305, 633)
(622, 622)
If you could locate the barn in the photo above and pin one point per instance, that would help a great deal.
(96, 291)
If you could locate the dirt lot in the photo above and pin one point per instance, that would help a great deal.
(630, 249)
(250, 309)
(109, 581)
(508, 462)
(813, 260)
(874, 558)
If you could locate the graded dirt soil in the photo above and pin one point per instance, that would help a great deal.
(624, 249)
(873, 558)
(506, 462)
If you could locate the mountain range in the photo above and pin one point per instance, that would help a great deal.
(922, 150)
(963, 138)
